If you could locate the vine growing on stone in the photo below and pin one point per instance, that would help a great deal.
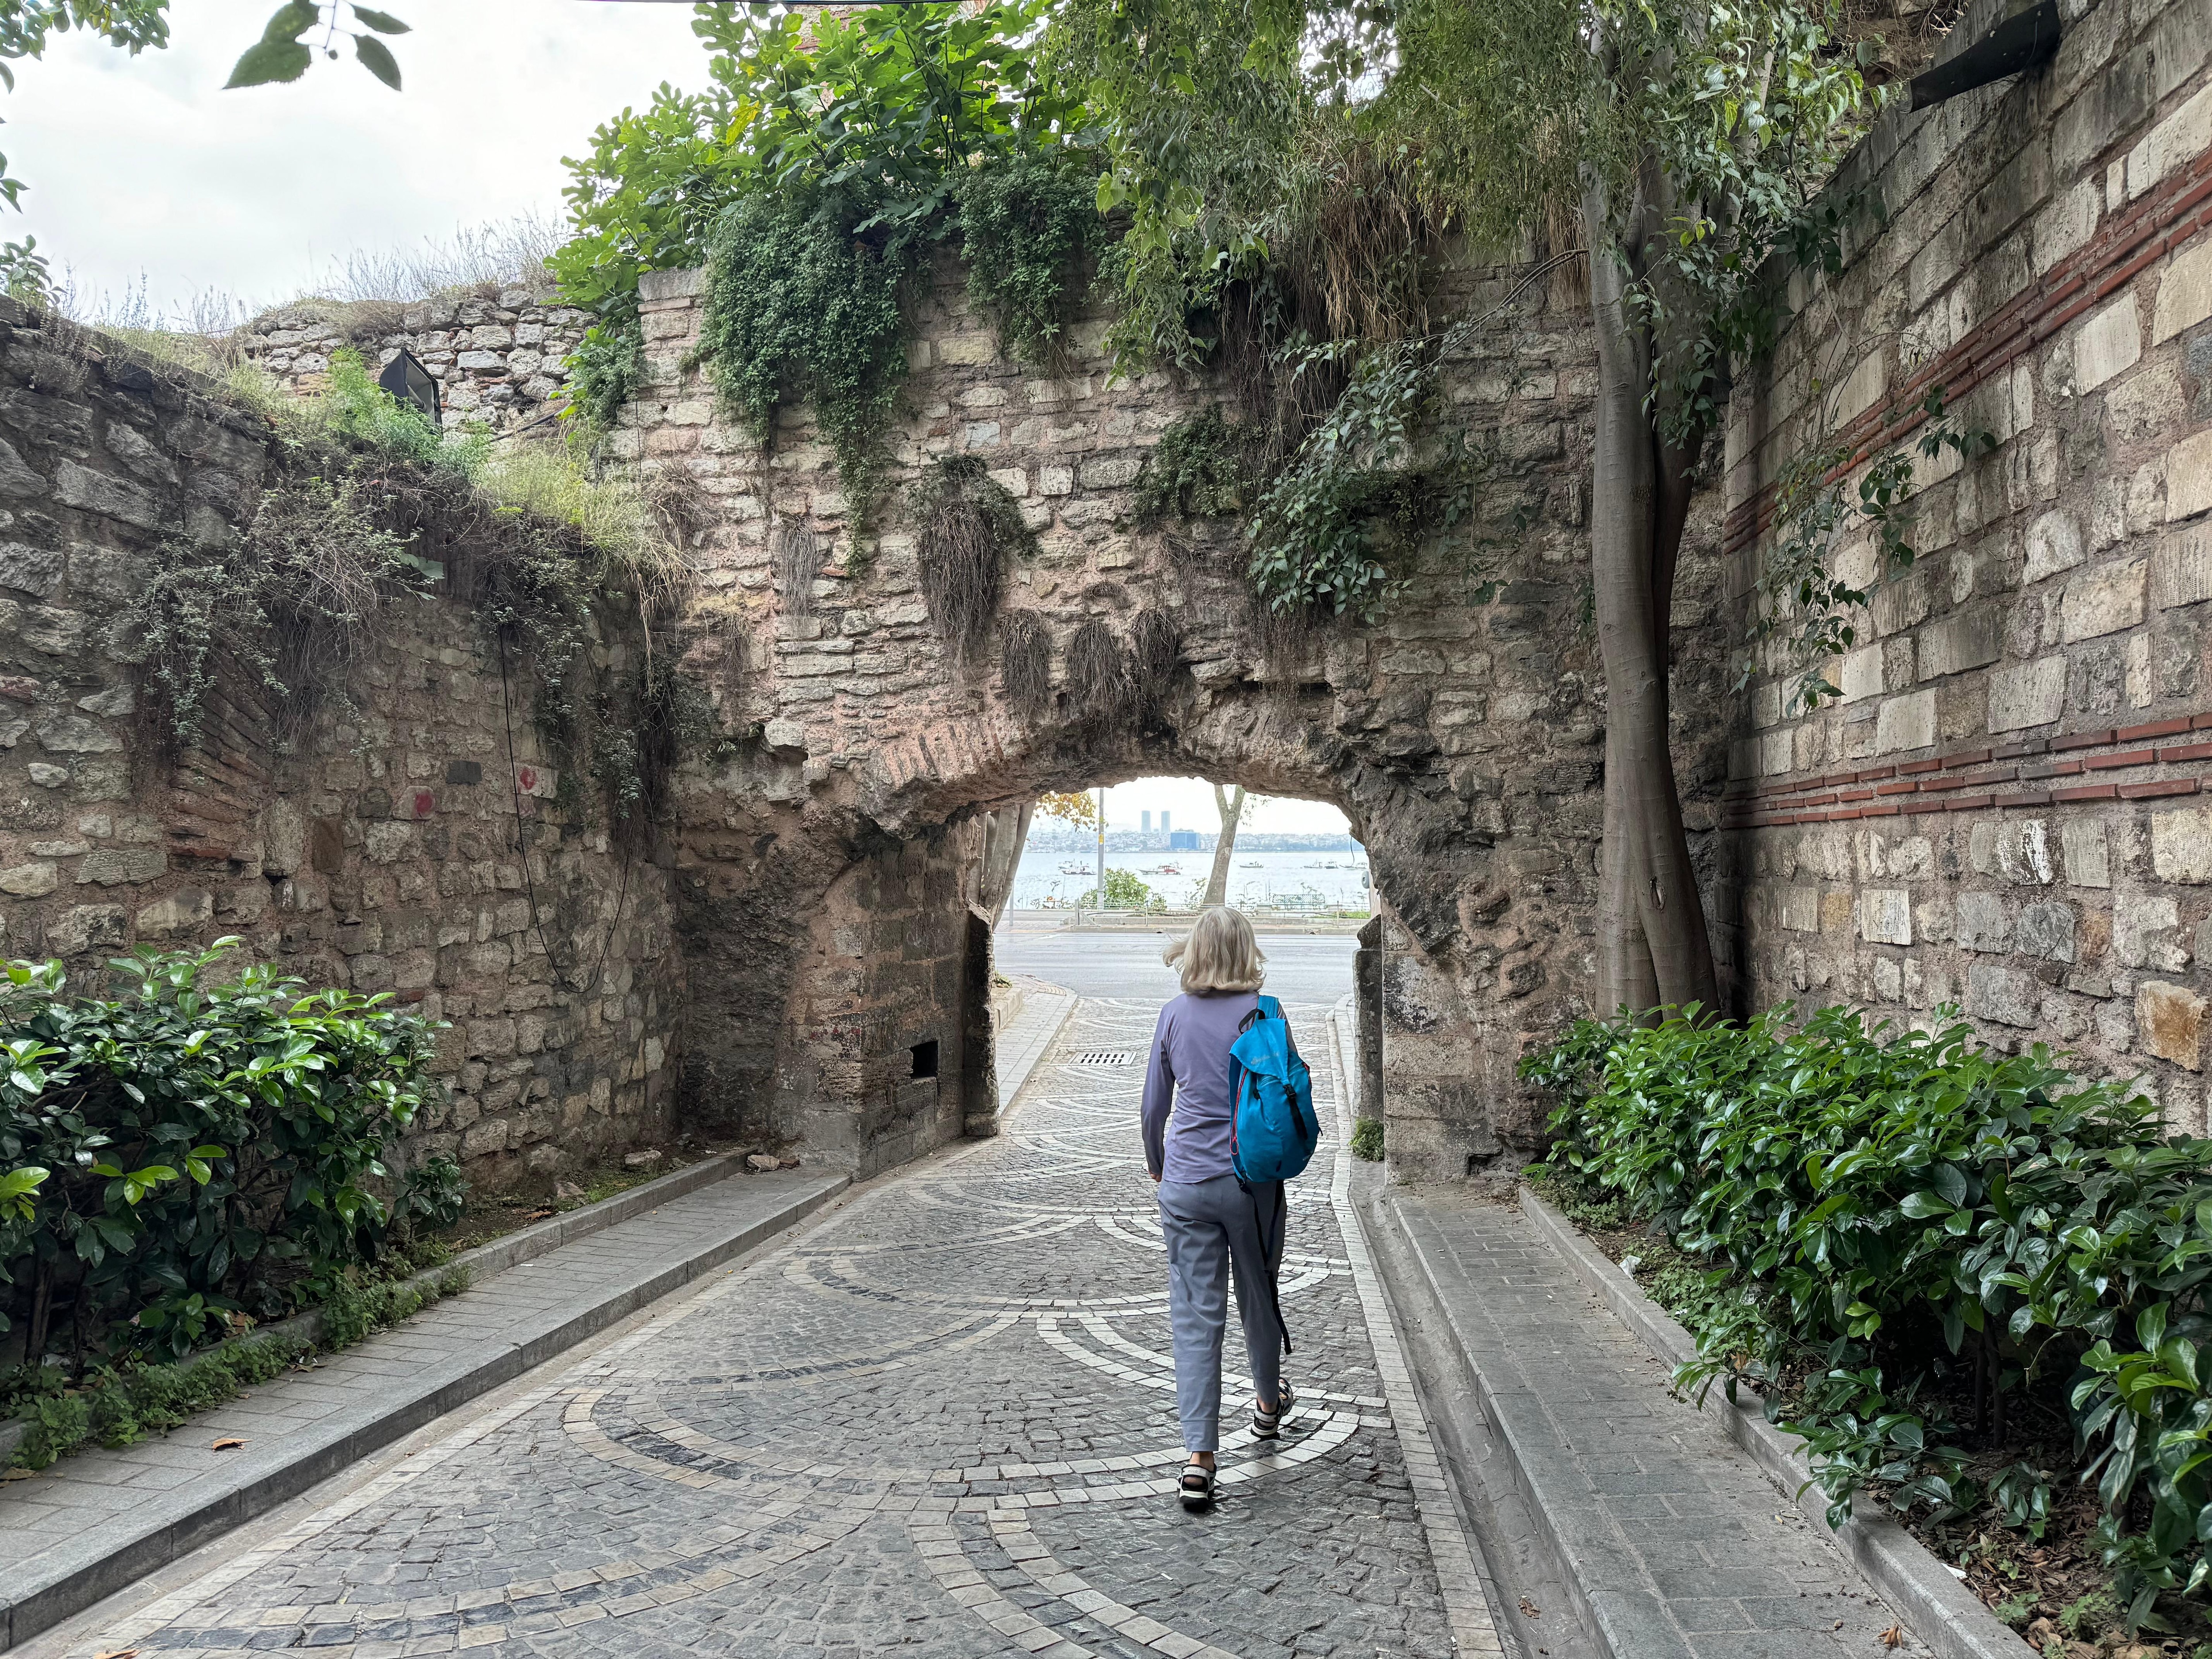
(1804, 600)
(835, 153)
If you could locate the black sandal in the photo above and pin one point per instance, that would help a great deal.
(1268, 1425)
(1197, 1486)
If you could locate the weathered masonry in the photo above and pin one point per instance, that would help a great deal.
(2004, 810)
(2008, 810)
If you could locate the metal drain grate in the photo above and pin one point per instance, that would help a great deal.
(1104, 1057)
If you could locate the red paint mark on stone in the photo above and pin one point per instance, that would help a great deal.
(527, 777)
(424, 803)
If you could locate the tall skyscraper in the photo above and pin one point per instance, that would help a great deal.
(1164, 823)
(1147, 817)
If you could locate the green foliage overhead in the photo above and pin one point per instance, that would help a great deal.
(284, 50)
(1883, 1214)
(200, 1147)
(832, 153)
(802, 306)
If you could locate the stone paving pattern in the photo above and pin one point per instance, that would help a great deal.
(1683, 1548)
(81, 1513)
(939, 1422)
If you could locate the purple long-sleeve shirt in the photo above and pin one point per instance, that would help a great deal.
(1189, 1070)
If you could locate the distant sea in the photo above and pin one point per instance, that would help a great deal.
(1290, 879)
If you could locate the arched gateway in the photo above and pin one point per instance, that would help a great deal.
(823, 874)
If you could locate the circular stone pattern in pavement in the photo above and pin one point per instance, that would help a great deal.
(942, 1423)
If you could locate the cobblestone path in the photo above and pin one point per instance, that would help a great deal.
(942, 1423)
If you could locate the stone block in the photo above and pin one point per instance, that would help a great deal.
(75, 734)
(1858, 675)
(2181, 845)
(86, 928)
(2188, 476)
(1973, 639)
(111, 865)
(106, 496)
(2046, 930)
(33, 570)
(2144, 930)
(180, 912)
(2177, 140)
(2089, 862)
(2003, 994)
(1905, 723)
(388, 843)
(2108, 342)
(2103, 601)
(1800, 910)
(2185, 292)
(30, 880)
(2170, 1022)
(2033, 694)
(1984, 924)
(2054, 544)
(1885, 916)
(2181, 568)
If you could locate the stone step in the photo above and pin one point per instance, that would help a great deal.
(1671, 1542)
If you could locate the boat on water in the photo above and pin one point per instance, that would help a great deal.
(1075, 870)
(1169, 869)
(1251, 864)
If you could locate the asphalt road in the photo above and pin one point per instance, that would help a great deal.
(1301, 967)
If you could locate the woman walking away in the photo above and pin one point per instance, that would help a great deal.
(1214, 1226)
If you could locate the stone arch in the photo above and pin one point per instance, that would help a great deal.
(819, 881)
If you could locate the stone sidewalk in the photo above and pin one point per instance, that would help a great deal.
(940, 1422)
(95, 1522)
(1674, 1542)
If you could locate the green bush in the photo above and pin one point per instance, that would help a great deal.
(1124, 891)
(1888, 1214)
(1367, 1139)
(192, 1155)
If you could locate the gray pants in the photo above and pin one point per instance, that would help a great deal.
(1209, 1233)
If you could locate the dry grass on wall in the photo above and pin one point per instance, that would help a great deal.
(1098, 682)
(795, 555)
(1155, 655)
(1025, 663)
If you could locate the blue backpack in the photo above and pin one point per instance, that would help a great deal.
(1272, 1129)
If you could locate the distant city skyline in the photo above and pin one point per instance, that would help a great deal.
(1188, 804)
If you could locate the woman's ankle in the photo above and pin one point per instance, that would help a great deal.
(1204, 1460)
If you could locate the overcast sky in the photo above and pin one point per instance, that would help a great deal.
(145, 165)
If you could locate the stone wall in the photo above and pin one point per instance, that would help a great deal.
(499, 358)
(384, 857)
(2008, 809)
(1461, 735)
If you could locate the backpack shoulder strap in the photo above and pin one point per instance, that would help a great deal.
(1270, 1008)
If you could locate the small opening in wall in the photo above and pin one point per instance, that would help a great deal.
(925, 1058)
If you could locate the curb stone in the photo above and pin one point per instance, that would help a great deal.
(483, 1262)
(153, 1534)
(1937, 1607)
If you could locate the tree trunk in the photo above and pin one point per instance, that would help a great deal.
(1652, 947)
(1231, 808)
(1005, 834)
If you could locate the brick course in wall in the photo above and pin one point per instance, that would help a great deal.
(2005, 811)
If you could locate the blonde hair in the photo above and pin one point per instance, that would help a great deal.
(1220, 954)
